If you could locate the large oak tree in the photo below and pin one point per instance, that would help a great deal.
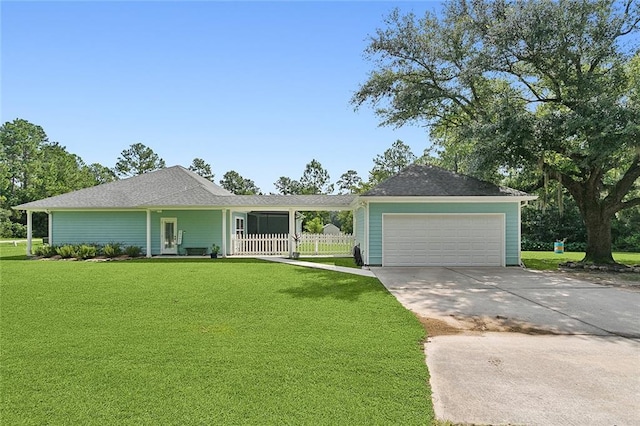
(541, 87)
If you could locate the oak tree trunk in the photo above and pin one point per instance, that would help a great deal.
(597, 213)
(598, 239)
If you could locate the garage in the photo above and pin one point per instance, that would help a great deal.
(443, 239)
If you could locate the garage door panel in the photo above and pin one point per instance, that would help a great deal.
(443, 240)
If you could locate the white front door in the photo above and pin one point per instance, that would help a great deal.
(169, 235)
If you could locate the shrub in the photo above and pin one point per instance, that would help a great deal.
(112, 250)
(532, 245)
(86, 251)
(45, 250)
(133, 251)
(18, 230)
(67, 251)
(577, 246)
(630, 243)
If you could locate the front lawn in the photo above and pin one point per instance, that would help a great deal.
(204, 341)
(346, 262)
(548, 260)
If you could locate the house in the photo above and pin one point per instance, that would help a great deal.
(169, 210)
(331, 229)
(423, 216)
(429, 216)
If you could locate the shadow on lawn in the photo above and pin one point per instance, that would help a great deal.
(316, 284)
(203, 259)
(20, 257)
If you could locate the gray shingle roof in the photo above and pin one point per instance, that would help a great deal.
(143, 189)
(175, 187)
(433, 181)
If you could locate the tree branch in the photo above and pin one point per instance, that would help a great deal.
(613, 201)
(573, 186)
(631, 203)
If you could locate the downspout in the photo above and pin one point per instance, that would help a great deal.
(224, 232)
(148, 233)
(29, 232)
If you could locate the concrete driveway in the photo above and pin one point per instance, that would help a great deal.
(579, 364)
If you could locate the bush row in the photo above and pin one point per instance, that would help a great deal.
(532, 245)
(88, 251)
(629, 244)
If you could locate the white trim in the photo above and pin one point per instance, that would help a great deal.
(303, 207)
(224, 232)
(366, 233)
(50, 228)
(519, 234)
(29, 233)
(292, 230)
(503, 230)
(471, 200)
(148, 249)
(101, 209)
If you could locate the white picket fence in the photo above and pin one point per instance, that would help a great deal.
(260, 244)
(327, 244)
(278, 244)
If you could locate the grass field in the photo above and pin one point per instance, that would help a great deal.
(347, 262)
(204, 341)
(548, 260)
(541, 260)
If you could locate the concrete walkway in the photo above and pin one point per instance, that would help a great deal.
(353, 271)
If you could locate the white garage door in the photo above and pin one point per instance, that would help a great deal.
(443, 240)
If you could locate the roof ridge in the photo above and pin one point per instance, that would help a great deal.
(204, 182)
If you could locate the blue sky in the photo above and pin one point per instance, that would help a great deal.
(261, 88)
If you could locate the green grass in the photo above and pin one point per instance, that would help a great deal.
(347, 262)
(201, 341)
(548, 260)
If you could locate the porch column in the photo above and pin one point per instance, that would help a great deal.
(366, 233)
(148, 233)
(50, 228)
(29, 232)
(224, 232)
(292, 229)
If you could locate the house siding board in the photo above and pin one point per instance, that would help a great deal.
(509, 209)
(126, 227)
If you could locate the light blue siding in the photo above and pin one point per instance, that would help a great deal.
(200, 228)
(128, 228)
(509, 209)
